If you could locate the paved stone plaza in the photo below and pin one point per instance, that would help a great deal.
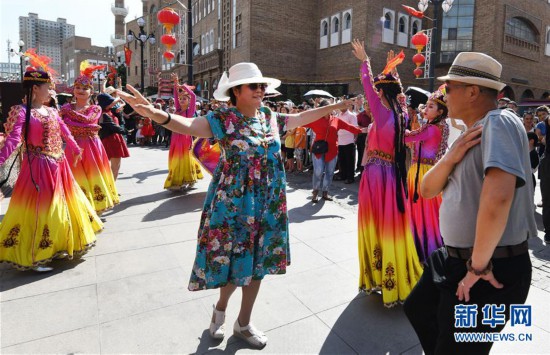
(129, 294)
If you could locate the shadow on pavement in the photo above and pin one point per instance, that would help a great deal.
(186, 201)
(540, 251)
(369, 327)
(12, 278)
(307, 212)
(208, 345)
(144, 175)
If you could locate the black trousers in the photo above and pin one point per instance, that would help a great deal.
(430, 306)
(544, 174)
(361, 139)
(346, 161)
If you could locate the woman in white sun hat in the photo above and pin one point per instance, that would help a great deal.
(243, 233)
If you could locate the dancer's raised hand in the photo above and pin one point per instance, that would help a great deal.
(358, 49)
(174, 77)
(137, 101)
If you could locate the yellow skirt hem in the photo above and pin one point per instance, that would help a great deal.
(76, 253)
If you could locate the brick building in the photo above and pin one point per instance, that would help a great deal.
(46, 37)
(517, 34)
(153, 60)
(306, 43)
(77, 49)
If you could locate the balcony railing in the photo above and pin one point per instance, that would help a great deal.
(119, 10)
(521, 48)
(522, 43)
(118, 40)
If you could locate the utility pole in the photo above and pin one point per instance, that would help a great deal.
(189, 44)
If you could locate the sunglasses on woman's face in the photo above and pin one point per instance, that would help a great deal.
(255, 86)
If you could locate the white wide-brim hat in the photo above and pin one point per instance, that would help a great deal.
(477, 69)
(239, 74)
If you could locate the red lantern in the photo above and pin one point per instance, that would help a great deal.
(417, 72)
(418, 59)
(169, 56)
(419, 40)
(168, 41)
(169, 18)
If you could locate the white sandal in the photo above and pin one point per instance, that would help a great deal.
(42, 268)
(250, 334)
(217, 324)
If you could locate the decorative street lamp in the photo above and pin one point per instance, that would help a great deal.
(142, 38)
(446, 6)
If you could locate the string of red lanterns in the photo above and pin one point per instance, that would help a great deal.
(169, 18)
(419, 40)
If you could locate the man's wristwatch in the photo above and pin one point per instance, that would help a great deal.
(485, 271)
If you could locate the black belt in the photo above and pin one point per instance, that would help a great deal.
(507, 251)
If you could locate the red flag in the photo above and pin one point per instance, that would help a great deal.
(413, 12)
(127, 55)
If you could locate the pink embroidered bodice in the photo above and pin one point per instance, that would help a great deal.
(46, 133)
(380, 144)
(433, 137)
(82, 123)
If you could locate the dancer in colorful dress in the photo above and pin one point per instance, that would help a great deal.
(93, 173)
(430, 144)
(48, 215)
(243, 233)
(387, 255)
(183, 170)
(111, 132)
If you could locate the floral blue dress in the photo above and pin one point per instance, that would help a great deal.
(243, 234)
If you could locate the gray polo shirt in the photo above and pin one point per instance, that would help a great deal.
(504, 145)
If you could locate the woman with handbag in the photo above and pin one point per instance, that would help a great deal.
(324, 151)
(388, 261)
(243, 234)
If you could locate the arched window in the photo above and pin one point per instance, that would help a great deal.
(347, 21)
(527, 94)
(402, 25)
(548, 37)
(414, 28)
(335, 25)
(325, 28)
(522, 29)
(388, 21)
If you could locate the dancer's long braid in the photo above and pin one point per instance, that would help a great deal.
(399, 147)
(26, 134)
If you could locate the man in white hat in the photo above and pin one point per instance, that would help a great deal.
(486, 217)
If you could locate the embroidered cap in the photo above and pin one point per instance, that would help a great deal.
(439, 95)
(34, 76)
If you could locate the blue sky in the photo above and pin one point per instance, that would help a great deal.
(92, 19)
